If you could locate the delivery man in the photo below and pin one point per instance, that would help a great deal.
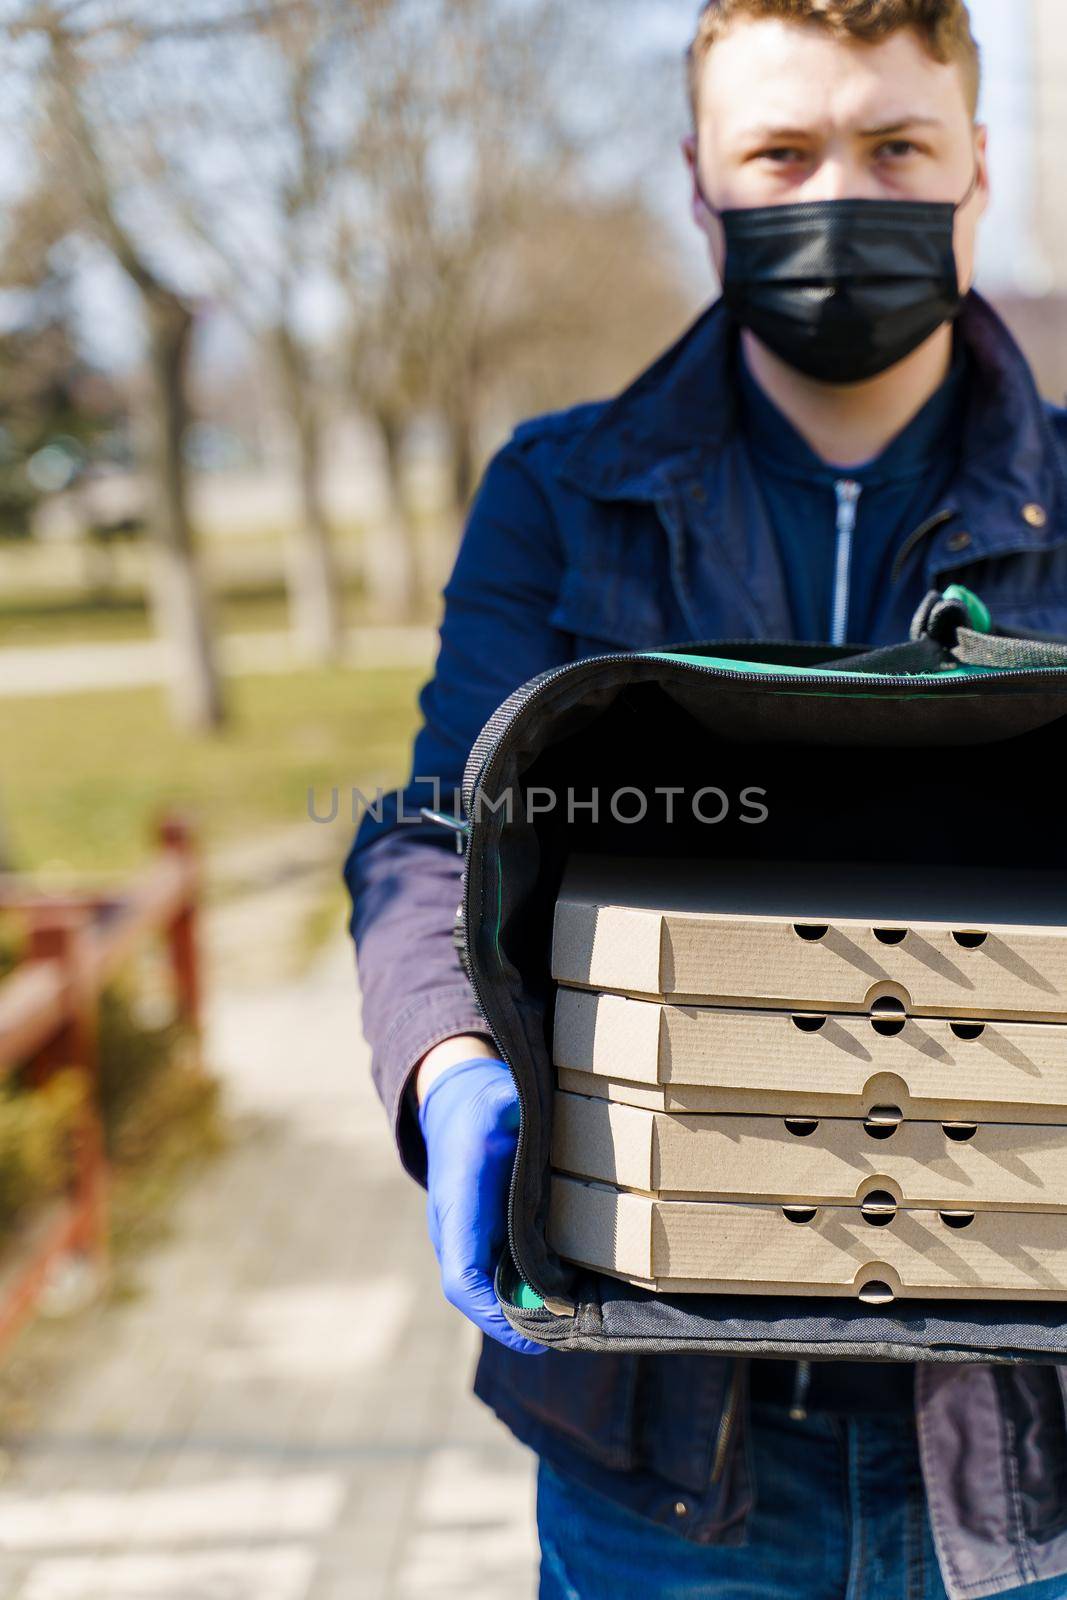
(847, 427)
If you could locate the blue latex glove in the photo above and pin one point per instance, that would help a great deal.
(470, 1123)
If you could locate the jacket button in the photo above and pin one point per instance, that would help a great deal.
(1035, 515)
(680, 1508)
(958, 541)
(698, 493)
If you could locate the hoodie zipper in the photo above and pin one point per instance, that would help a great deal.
(848, 492)
(481, 762)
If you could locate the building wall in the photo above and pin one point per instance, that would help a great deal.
(1040, 326)
(1049, 22)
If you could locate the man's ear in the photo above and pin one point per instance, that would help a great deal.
(700, 213)
(981, 146)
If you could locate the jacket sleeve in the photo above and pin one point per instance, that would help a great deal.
(404, 874)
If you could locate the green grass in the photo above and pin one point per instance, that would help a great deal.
(83, 774)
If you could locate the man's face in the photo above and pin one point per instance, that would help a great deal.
(789, 113)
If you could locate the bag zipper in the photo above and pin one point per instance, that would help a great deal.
(726, 1422)
(798, 1409)
(456, 825)
(487, 742)
(481, 763)
(848, 492)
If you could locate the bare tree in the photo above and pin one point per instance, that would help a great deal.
(434, 164)
(386, 376)
(435, 192)
(486, 266)
(80, 167)
(595, 293)
(279, 154)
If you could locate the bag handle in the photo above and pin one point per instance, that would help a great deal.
(954, 627)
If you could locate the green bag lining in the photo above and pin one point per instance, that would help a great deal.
(770, 669)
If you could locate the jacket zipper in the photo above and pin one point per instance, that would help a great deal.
(848, 492)
(482, 761)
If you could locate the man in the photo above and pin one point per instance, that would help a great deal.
(849, 426)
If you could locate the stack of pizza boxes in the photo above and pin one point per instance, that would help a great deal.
(793, 1078)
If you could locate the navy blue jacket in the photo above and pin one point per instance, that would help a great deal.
(632, 523)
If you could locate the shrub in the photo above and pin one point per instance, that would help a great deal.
(37, 1129)
(151, 1100)
(11, 944)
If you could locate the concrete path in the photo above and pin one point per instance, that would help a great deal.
(283, 1411)
(129, 664)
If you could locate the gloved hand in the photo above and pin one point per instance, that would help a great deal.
(470, 1122)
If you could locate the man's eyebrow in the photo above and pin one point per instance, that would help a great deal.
(897, 125)
(767, 133)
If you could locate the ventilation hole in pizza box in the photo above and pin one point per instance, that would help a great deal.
(801, 1127)
(888, 1027)
(969, 939)
(811, 931)
(956, 1219)
(967, 1030)
(800, 1214)
(888, 1014)
(887, 1005)
(876, 1293)
(878, 1208)
(808, 1023)
(890, 935)
(882, 1122)
(959, 1132)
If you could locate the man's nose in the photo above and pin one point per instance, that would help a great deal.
(837, 179)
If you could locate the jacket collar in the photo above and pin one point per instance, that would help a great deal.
(678, 407)
(680, 410)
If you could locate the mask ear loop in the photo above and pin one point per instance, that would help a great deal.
(716, 213)
(970, 191)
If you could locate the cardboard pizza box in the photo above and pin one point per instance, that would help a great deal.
(835, 936)
(702, 1246)
(707, 1058)
(812, 1161)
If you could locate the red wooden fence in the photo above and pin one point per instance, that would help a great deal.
(48, 1019)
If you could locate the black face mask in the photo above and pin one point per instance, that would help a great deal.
(842, 289)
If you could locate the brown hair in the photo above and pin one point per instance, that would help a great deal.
(944, 26)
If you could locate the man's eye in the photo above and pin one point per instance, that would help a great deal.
(895, 149)
(781, 155)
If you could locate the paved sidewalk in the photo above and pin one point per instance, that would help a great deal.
(282, 1413)
(131, 663)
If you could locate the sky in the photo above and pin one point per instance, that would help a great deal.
(1003, 33)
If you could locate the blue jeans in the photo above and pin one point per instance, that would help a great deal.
(840, 1514)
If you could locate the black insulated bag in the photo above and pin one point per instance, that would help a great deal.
(945, 752)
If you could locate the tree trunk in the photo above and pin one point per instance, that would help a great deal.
(459, 432)
(458, 426)
(315, 605)
(392, 557)
(180, 598)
